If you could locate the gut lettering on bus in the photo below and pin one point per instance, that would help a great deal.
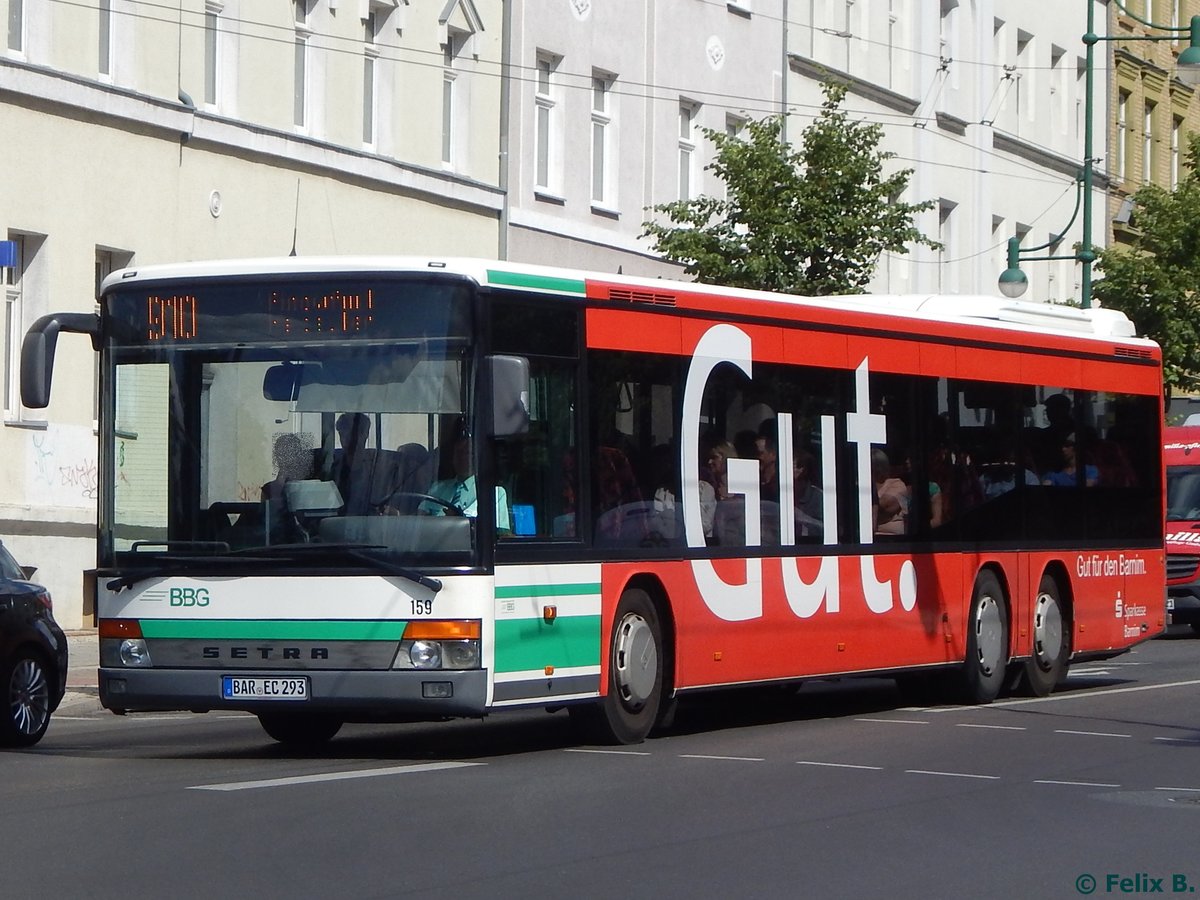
(331, 313)
(170, 318)
(740, 602)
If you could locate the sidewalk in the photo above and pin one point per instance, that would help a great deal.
(83, 693)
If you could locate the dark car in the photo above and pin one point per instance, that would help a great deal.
(33, 656)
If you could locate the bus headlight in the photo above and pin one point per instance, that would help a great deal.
(425, 654)
(135, 653)
(460, 654)
(443, 654)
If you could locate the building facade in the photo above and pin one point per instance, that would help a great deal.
(1153, 112)
(133, 135)
(534, 130)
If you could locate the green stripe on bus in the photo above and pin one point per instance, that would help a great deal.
(547, 590)
(525, 644)
(268, 630)
(540, 282)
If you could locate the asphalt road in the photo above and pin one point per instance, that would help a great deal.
(834, 790)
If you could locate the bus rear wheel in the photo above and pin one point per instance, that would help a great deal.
(983, 672)
(635, 676)
(1046, 669)
(295, 730)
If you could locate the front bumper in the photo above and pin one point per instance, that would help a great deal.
(375, 695)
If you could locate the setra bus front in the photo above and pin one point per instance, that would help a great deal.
(292, 517)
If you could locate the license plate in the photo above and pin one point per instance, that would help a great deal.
(238, 687)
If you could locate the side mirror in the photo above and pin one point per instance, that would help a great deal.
(37, 352)
(29, 572)
(508, 377)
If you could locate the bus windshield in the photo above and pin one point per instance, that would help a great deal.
(1183, 493)
(312, 425)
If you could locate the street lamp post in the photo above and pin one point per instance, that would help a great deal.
(1012, 281)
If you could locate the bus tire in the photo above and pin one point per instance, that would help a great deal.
(1047, 667)
(635, 675)
(27, 683)
(294, 730)
(983, 672)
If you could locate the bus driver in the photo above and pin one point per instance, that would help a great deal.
(458, 491)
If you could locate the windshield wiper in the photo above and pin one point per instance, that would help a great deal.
(274, 554)
(354, 551)
(180, 564)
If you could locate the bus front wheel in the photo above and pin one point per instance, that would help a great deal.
(1046, 669)
(983, 672)
(300, 730)
(635, 675)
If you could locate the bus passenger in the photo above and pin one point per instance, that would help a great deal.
(1068, 474)
(892, 493)
(810, 501)
(293, 462)
(349, 461)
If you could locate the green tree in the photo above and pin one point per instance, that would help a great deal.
(812, 220)
(1154, 280)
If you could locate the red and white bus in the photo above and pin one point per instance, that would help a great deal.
(389, 489)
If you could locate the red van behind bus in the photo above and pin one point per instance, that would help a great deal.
(1181, 451)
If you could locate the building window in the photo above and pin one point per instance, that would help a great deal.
(453, 48)
(14, 285)
(1148, 144)
(104, 64)
(1122, 148)
(212, 49)
(300, 102)
(947, 271)
(16, 26)
(1058, 90)
(370, 64)
(545, 101)
(601, 138)
(687, 148)
(1176, 131)
(1026, 84)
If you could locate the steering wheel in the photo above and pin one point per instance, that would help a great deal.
(449, 508)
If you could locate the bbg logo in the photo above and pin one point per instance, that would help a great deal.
(183, 596)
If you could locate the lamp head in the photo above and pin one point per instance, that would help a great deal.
(1013, 282)
(1187, 67)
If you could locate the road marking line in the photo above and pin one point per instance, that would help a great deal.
(993, 727)
(1185, 790)
(1175, 740)
(331, 776)
(730, 758)
(951, 774)
(608, 752)
(895, 721)
(1091, 733)
(831, 765)
(1076, 783)
(1079, 695)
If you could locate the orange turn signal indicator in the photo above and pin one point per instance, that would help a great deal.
(442, 630)
(120, 628)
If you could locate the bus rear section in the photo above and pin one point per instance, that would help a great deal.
(1181, 453)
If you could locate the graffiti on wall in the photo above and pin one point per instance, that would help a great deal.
(61, 466)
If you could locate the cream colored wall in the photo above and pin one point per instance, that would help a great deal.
(110, 169)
